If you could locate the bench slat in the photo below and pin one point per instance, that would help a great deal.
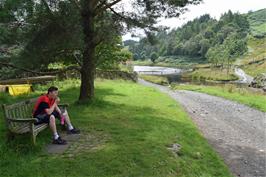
(24, 111)
(26, 120)
(21, 129)
(12, 113)
(18, 112)
(30, 101)
(39, 128)
(26, 128)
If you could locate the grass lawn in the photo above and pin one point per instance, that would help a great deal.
(135, 125)
(241, 95)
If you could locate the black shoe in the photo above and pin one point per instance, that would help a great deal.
(73, 131)
(59, 141)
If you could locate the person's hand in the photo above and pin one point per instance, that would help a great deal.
(57, 100)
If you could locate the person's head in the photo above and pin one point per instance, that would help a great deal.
(52, 92)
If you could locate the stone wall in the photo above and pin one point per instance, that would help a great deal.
(133, 76)
(104, 74)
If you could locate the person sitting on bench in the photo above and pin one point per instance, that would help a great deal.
(46, 110)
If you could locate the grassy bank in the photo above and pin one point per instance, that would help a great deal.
(155, 79)
(133, 125)
(255, 68)
(231, 92)
(254, 61)
(212, 74)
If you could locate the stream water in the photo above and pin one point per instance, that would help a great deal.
(175, 75)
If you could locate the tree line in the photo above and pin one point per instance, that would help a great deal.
(218, 41)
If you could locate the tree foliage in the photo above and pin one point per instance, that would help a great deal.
(154, 56)
(198, 36)
(78, 32)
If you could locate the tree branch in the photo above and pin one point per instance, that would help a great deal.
(133, 21)
(103, 8)
(76, 58)
(101, 4)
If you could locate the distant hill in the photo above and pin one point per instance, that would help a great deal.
(257, 22)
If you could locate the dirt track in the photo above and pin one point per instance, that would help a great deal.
(237, 132)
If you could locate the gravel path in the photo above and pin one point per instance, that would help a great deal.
(237, 132)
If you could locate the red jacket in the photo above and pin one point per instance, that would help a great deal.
(44, 98)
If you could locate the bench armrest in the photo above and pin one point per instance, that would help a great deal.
(33, 120)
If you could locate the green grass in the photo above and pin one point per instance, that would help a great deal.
(231, 92)
(260, 29)
(138, 124)
(255, 69)
(257, 22)
(212, 74)
(155, 79)
(255, 53)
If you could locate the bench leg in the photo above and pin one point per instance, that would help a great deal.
(34, 139)
(33, 134)
(10, 136)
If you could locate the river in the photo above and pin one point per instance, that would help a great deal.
(157, 70)
(174, 74)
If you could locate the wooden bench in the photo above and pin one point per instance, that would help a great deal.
(19, 120)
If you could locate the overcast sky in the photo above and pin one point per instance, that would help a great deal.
(213, 7)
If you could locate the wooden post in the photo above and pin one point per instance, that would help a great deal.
(9, 134)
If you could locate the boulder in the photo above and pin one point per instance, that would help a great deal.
(259, 81)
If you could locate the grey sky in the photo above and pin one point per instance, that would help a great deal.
(213, 7)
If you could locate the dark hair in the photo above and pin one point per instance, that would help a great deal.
(52, 88)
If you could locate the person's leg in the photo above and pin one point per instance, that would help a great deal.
(53, 126)
(67, 119)
(70, 127)
(50, 119)
(56, 138)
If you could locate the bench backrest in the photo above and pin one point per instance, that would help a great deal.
(20, 110)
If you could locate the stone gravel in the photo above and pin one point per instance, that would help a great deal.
(237, 132)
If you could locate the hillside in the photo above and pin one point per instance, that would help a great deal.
(234, 39)
(253, 61)
(257, 21)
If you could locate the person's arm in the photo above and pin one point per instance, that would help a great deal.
(58, 110)
(53, 107)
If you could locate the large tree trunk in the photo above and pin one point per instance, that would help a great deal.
(88, 67)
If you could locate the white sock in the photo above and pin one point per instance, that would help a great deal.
(56, 135)
(70, 127)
